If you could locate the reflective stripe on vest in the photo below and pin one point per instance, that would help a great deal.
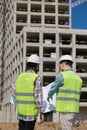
(69, 94)
(68, 98)
(24, 94)
(26, 104)
(69, 91)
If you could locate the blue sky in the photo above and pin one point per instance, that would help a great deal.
(79, 16)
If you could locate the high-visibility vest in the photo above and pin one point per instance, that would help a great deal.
(25, 99)
(68, 96)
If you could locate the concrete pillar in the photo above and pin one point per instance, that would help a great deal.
(13, 113)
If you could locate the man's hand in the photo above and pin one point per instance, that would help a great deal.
(48, 99)
(12, 86)
(41, 118)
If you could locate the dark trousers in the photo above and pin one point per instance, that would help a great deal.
(26, 125)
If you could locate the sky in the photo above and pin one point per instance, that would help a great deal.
(79, 16)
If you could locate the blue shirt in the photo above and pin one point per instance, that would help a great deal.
(57, 83)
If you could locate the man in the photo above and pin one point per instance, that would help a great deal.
(67, 87)
(29, 99)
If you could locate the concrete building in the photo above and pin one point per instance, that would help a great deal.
(42, 27)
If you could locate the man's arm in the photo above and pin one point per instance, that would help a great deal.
(39, 98)
(55, 86)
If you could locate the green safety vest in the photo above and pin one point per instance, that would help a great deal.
(68, 96)
(25, 99)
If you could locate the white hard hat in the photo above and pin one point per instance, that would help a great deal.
(65, 58)
(34, 59)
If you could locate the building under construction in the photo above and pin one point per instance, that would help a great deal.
(40, 27)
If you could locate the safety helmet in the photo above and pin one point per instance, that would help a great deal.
(34, 59)
(66, 58)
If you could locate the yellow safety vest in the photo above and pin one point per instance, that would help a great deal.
(25, 99)
(69, 94)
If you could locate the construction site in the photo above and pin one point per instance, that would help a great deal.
(42, 27)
